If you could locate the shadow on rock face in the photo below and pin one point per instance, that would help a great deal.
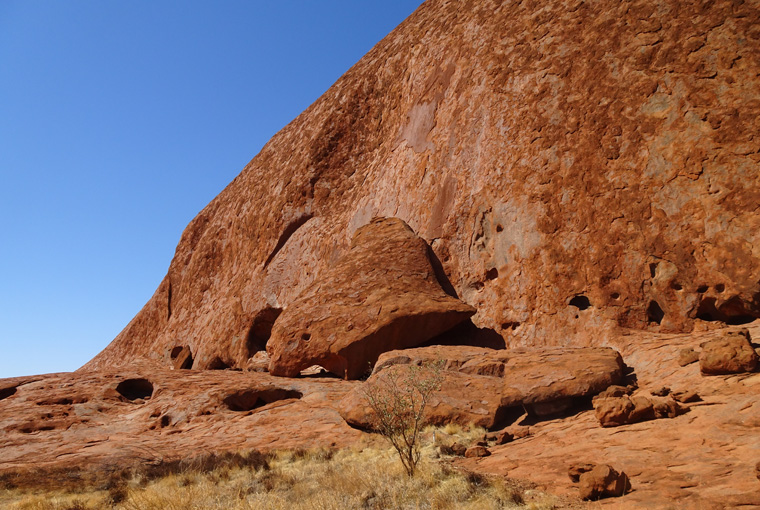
(248, 400)
(468, 333)
(133, 389)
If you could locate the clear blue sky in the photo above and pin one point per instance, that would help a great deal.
(119, 122)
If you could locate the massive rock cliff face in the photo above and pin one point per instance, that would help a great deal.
(575, 166)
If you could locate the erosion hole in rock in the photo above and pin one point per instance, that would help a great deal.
(248, 400)
(499, 228)
(702, 289)
(182, 357)
(132, 389)
(732, 312)
(290, 229)
(655, 314)
(218, 364)
(305, 337)
(676, 286)
(615, 295)
(720, 287)
(653, 269)
(166, 420)
(581, 302)
(510, 325)
(492, 274)
(559, 408)
(467, 333)
(7, 392)
(261, 330)
(506, 416)
(320, 372)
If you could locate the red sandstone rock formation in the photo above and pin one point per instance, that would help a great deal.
(382, 295)
(584, 173)
(574, 166)
(485, 386)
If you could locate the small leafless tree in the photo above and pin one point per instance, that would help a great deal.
(398, 396)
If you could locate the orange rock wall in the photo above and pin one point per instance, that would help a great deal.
(544, 149)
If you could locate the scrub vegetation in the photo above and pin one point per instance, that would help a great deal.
(369, 477)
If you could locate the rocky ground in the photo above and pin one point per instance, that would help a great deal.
(705, 457)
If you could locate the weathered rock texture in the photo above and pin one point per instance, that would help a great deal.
(382, 295)
(624, 410)
(730, 354)
(146, 413)
(704, 459)
(484, 386)
(574, 165)
(603, 481)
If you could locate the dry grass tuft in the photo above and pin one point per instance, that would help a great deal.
(322, 479)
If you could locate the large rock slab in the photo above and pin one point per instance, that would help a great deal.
(530, 376)
(382, 295)
(147, 413)
(480, 385)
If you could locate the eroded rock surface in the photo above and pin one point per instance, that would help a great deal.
(602, 481)
(145, 413)
(574, 166)
(624, 410)
(730, 354)
(382, 295)
(484, 386)
(704, 459)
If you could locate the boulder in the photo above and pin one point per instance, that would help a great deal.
(477, 451)
(382, 295)
(459, 449)
(555, 375)
(624, 410)
(504, 437)
(603, 482)
(730, 354)
(686, 396)
(548, 376)
(687, 356)
(576, 470)
(481, 385)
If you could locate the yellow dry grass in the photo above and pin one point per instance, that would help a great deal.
(361, 478)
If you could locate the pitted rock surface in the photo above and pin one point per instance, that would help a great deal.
(575, 166)
(586, 173)
(703, 459)
(382, 295)
(146, 413)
